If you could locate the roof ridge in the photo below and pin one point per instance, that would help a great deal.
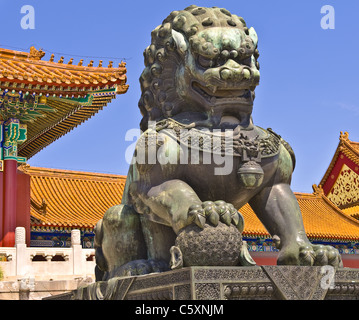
(316, 194)
(306, 194)
(332, 161)
(349, 144)
(35, 57)
(65, 173)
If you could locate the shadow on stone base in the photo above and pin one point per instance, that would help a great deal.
(229, 283)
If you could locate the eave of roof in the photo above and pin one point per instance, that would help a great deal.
(69, 94)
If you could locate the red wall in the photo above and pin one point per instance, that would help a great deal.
(264, 258)
(350, 260)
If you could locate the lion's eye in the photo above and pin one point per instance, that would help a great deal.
(205, 62)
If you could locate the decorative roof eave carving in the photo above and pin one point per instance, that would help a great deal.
(70, 113)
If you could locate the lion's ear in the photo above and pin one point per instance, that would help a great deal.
(180, 40)
(253, 35)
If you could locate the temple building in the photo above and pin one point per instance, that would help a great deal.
(40, 101)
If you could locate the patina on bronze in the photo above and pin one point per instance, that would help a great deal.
(200, 74)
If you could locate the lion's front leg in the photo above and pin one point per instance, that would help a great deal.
(277, 207)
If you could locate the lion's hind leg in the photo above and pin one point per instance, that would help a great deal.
(118, 239)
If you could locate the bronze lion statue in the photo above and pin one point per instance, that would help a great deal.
(200, 158)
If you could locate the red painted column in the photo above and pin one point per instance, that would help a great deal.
(23, 203)
(1, 207)
(2, 189)
(12, 134)
(10, 186)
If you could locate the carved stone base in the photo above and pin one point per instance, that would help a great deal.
(229, 283)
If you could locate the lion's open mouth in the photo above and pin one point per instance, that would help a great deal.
(218, 95)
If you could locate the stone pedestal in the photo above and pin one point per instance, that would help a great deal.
(229, 283)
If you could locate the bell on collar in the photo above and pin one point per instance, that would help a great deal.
(250, 174)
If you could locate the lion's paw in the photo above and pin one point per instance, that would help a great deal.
(320, 255)
(213, 212)
(311, 255)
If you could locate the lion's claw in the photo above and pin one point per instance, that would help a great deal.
(213, 212)
(196, 215)
(321, 258)
(307, 255)
(327, 255)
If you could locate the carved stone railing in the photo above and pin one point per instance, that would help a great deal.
(46, 263)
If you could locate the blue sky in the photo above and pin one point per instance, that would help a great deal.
(309, 89)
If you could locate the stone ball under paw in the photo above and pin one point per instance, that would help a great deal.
(211, 246)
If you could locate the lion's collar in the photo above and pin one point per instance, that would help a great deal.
(256, 144)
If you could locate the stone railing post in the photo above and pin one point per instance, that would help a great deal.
(76, 251)
(24, 289)
(22, 260)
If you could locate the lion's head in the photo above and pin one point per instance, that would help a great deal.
(200, 60)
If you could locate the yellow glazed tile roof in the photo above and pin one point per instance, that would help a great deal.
(79, 199)
(321, 218)
(71, 198)
(352, 211)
